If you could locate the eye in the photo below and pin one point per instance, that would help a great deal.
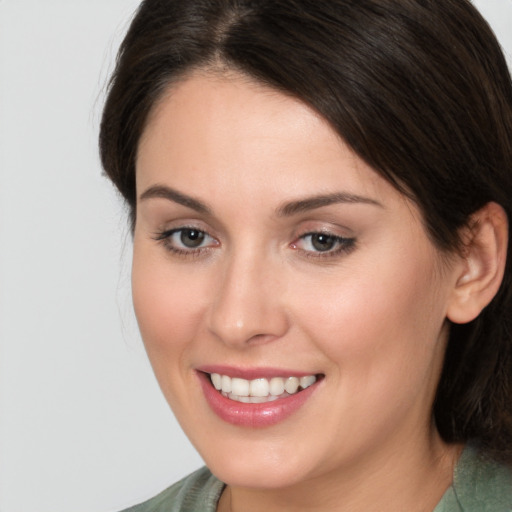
(320, 244)
(189, 238)
(185, 240)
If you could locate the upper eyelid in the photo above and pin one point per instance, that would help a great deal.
(171, 231)
(329, 226)
(187, 225)
(327, 231)
(301, 234)
(322, 232)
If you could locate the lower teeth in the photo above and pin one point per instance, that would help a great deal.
(255, 399)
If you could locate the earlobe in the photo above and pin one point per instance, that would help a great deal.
(482, 264)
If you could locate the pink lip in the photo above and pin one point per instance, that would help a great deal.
(252, 415)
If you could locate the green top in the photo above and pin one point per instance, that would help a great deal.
(479, 485)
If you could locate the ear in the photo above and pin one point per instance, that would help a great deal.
(480, 269)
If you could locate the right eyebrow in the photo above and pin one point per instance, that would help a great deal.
(320, 201)
(164, 192)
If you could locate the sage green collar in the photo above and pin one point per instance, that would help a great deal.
(479, 485)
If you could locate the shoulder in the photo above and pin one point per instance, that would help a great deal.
(198, 491)
(479, 485)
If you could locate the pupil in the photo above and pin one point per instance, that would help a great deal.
(191, 238)
(322, 242)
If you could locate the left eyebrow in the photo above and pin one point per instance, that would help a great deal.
(314, 202)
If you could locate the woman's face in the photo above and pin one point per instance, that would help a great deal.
(266, 252)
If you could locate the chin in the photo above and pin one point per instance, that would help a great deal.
(259, 463)
(257, 475)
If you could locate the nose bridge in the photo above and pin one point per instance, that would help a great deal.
(247, 304)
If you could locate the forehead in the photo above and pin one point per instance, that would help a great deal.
(211, 133)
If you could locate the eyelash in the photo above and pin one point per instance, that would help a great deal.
(343, 245)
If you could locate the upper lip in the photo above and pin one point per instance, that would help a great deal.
(253, 372)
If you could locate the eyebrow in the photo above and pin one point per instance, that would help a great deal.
(163, 192)
(311, 203)
(287, 210)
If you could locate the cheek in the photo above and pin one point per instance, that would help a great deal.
(168, 306)
(377, 321)
(384, 356)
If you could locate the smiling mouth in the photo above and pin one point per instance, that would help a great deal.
(260, 390)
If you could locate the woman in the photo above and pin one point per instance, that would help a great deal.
(320, 194)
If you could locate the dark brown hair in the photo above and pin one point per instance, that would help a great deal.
(418, 88)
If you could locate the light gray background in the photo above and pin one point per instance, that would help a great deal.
(83, 426)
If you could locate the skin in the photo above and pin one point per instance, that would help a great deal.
(370, 317)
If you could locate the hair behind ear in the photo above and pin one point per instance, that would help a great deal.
(474, 397)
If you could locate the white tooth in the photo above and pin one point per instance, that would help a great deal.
(244, 399)
(291, 385)
(305, 382)
(276, 386)
(216, 380)
(259, 387)
(240, 387)
(258, 399)
(226, 384)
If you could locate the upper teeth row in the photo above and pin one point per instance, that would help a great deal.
(261, 387)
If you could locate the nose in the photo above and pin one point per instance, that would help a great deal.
(248, 304)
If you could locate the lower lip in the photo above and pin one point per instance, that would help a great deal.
(253, 415)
